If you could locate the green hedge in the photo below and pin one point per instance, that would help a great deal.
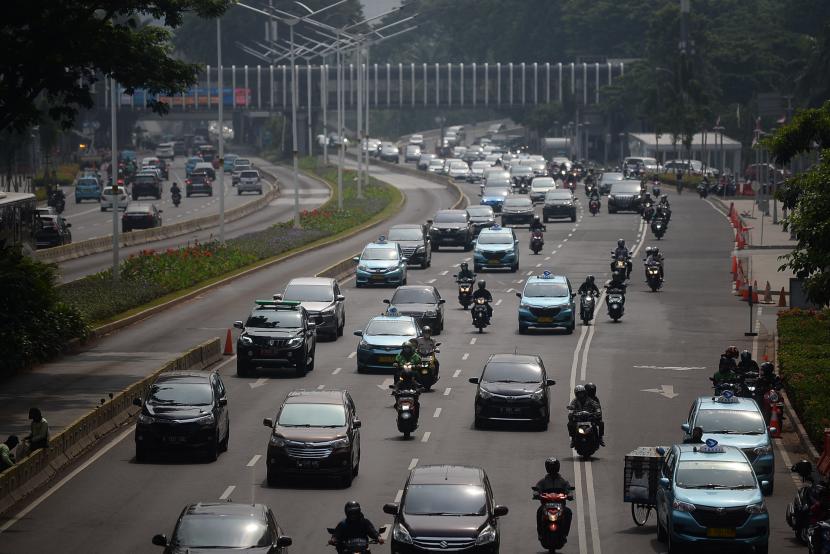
(151, 274)
(804, 361)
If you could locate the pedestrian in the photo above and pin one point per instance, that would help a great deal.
(6, 449)
(38, 436)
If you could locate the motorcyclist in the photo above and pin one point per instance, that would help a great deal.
(581, 403)
(406, 356)
(622, 252)
(537, 225)
(726, 371)
(175, 190)
(653, 255)
(482, 292)
(747, 364)
(615, 283)
(594, 195)
(465, 273)
(354, 526)
(425, 345)
(591, 389)
(589, 286)
(768, 379)
(553, 482)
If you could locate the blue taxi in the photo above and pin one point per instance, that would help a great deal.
(496, 248)
(190, 165)
(547, 302)
(709, 495)
(381, 263)
(736, 421)
(382, 339)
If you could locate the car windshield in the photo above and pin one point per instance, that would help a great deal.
(545, 182)
(309, 293)
(496, 191)
(520, 169)
(404, 328)
(249, 175)
(451, 217)
(512, 372)
(181, 394)
(441, 500)
(632, 187)
(406, 233)
(380, 254)
(312, 415)
(495, 238)
(564, 195)
(731, 422)
(546, 290)
(480, 211)
(607, 177)
(459, 165)
(222, 531)
(436, 163)
(87, 183)
(498, 182)
(518, 203)
(275, 319)
(414, 296)
(713, 474)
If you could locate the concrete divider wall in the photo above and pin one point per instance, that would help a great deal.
(33, 471)
(144, 236)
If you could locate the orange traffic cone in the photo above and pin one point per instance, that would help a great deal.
(767, 294)
(775, 423)
(782, 299)
(228, 344)
(755, 292)
(734, 266)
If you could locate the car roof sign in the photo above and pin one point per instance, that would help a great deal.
(711, 447)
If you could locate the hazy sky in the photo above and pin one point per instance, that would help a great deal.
(375, 7)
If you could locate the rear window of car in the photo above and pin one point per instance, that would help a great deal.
(451, 217)
(88, 183)
(249, 175)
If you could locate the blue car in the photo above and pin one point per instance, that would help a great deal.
(738, 422)
(381, 263)
(709, 496)
(382, 339)
(547, 302)
(87, 188)
(496, 248)
(494, 197)
(190, 165)
(228, 165)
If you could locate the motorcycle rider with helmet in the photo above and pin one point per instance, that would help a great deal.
(425, 345)
(581, 403)
(553, 482)
(175, 192)
(482, 292)
(537, 225)
(653, 255)
(407, 356)
(747, 364)
(588, 286)
(465, 273)
(591, 389)
(354, 526)
(768, 379)
(622, 252)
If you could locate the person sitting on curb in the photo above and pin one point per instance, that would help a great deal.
(6, 452)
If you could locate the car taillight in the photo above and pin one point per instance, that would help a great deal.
(150, 217)
(188, 181)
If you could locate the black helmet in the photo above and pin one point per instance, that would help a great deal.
(579, 389)
(589, 279)
(352, 509)
(482, 285)
(767, 368)
(427, 330)
(591, 389)
(746, 356)
(655, 250)
(552, 466)
(464, 265)
(535, 218)
(649, 251)
(621, 242)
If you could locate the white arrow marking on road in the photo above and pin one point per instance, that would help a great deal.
(664, 390)
(386, 383)
(465, 356)
(671, 367)
(258, 383)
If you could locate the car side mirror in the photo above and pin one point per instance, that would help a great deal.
(500, 511)
(358, 333)
(442, 301)
(386, 301)
(223, 401)
(340, 298)
(429, 222)
(665, 483)
(391, 509)
(685, 427)
(268, 422)
(764, 485)
(137, 402)
(278, 296)
(357, 423)
(518, 295)
(473, 380)
(356, 259)
(549, 382)
(238, 324)
(284, 541)
(160, 540)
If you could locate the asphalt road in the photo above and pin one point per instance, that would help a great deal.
(116, 505)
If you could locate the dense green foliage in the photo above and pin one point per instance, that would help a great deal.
(804, 361)
(150, 275)
(807, 196)
(34, 324)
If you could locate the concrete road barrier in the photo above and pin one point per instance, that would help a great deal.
(36, 469)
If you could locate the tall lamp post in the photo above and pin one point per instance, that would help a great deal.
(719, 129)
(221, 100)
(114, 180)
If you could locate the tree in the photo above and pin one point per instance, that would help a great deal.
(54, 51)
(807, 196)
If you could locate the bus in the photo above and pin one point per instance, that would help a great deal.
(18, 220)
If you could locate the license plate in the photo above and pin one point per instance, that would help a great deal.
(720, 532)
(511, 411)
(308, 464)
(175, 439)
(424, 371)
(378, 278)
(545, 320)
(493, 262)
(268, 351)
(386, 359)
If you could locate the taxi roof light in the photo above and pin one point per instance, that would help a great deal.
(711, 447)
(727, 397)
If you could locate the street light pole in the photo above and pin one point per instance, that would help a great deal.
(114, 180)
(360, 122)
(366, 127)
(221, 100)
(291, 24)
(339, 125)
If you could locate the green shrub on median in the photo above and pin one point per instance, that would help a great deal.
(804, 361)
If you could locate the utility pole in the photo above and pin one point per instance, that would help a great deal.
(219, 82)
(114, 180)
(294, 152)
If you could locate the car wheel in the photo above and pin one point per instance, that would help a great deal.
(478, 423)
(403, 283)
(661, 533)
(341, 326)
(302, 367)
(348, 477)
(224, 444)
(522, 330)
(425, 263)
(361, 369)
(573, 218)
(243, 369)
(476, 268)
(212, 451)
(570, 329)
(103, 209)
(271, 477)
(762, 549)
(239, 193)
(514, 268)
(141, 454)
(673, 546)
(310, 366)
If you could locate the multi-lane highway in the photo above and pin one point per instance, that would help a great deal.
(667, 341)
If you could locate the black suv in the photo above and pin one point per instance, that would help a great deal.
(414, 242)
(422, 302)
(276, 333)
(559, 203)
(624, 195)
(198, 183)
(446, 509)
(517, 210)
(451, 228)
(314, 433)
(53, 230)
(183, 410)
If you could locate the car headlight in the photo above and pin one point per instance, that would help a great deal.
(611, 197)
(363, 344)
(145, 419)
(296, 341)
(759, 508)
(430, 314)
(766, 449)
(362, 267)
(538, 395)
(683, 506)
(277, 441)
(247, 341)
(487, 535)
(341, 443)
(400, 534)
(206, 420)
(484, 394)
(420, 249)
(523, 306)
(328, 311)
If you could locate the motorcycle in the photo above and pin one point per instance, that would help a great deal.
(750, 385)
(799, 516)
(593, 207)
(481, 319)
(615, 302)
(177, 199)
(427, 372)
(554, 534)
(772, 403)
(818, 538)
(586, 437)
(408, 408)
(586, 308)
(653, 276)
(537, 241)
(465, 291)
(703, 190)
(57, 201)
(648, 211)
(658, 227)
(354, 546)
(619, 267)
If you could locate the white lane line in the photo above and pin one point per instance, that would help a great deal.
(584, 368)
(412, 465)
(592, 508)
(258, 383)
(445, 272)
(352, 355)
(53, 489)
(447, 391)
(321, 387)
(465, 355)
(473, 340)
(564, 240)
(254, 460)
(456, 374)
(425, 438)
(547, 258)
(570, 234)
(430, 281)
(538, 265)
(226, 362)
(336, 371)
(580, 506)
(498, 302)
(467, 259)
(437, 412)
(558, 246)
(399, 494)
(228, 492)
(529, 272)
(508, 291)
